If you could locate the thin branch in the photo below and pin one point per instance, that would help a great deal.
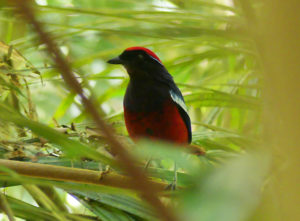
(4, 205)
(139, 180)
(84, 176)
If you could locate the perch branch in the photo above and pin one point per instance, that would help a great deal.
(59, 173)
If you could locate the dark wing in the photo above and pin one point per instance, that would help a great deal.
(178, 99)
(176, 96)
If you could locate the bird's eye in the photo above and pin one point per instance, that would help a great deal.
(140, 56)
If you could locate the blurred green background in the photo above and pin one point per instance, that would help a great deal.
(212, 50)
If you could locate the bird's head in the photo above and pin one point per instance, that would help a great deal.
(139, 62)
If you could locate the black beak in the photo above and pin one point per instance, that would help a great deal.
(115, 60)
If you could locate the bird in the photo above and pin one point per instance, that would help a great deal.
(154, 107)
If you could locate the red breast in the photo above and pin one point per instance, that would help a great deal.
(165, 124)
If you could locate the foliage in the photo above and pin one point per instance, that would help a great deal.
(206, 47)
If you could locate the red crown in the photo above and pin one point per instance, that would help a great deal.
(148, 51)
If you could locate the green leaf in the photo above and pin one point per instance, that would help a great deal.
(72, 147)
(124, 203)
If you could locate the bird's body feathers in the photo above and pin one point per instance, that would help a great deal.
(153, 105)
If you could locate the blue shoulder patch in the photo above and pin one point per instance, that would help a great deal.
(178, 100)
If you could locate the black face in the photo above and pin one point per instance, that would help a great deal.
(138, 63)
(138, 57)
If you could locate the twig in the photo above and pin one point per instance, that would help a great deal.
(139, 180)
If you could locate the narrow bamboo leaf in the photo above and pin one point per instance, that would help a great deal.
(71, 147)
(124, 203)
(64, 106)
(211, 99)
(103, 211)
(27, 211)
